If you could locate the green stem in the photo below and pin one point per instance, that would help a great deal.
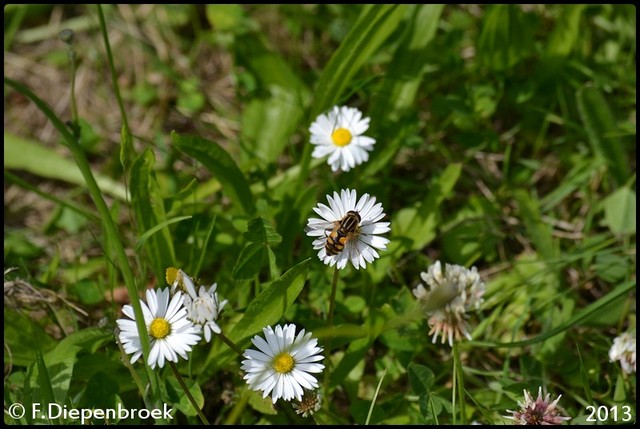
(109, 225)
(74, 106)
(375, 397)
(186, 390)
(230, 343)
(459, 382)
(112, 68)
(305, 163)
(327, 350)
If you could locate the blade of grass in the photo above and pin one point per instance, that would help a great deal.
(68, 204)
(590, 310)
(110, 227)
(375, 396)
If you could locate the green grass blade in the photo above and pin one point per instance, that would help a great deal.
(110, 228)
(600, 127)
(269, 121)
(539, 231)
(144, 237)
(505, 39)
(583, 314)
(375, 24)
(398, 91)
(221, 165)
(149, 210)
(44, 387)
(204, 246)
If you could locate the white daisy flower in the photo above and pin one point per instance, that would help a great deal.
(349, 230)
(283, 363)
(339, 135)
(449, 298)
(170, 332)
(624, 350)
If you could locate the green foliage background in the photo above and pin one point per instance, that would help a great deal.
(505, 140)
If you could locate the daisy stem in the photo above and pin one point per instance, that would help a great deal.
(458, 383)
(230, 343)
(327, 350)
(186, 390)
(132, 371)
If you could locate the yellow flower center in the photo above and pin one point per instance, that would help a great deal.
(283, 363)
(159, 328)
(171, 275)
(341, 137)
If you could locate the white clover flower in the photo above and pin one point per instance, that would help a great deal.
(170, 332)
(538, 412)
(283, 363)
(449, 298)
(338, 134)
(203, 308)
(624, 350)
(349, 230)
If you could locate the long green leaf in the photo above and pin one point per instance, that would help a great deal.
(221, 165)
(375, 24)
(44, 387)
(269, 121)
(505, 38)
(268, 307)
(566, 33)
(144, 237)
(250, 261)
(149, 210)
(27, 155)
(400, 86)
(538, 230)
(600, 126)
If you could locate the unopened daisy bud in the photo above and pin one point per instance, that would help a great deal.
(66, 35)
(538, 412)
(180, 281)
